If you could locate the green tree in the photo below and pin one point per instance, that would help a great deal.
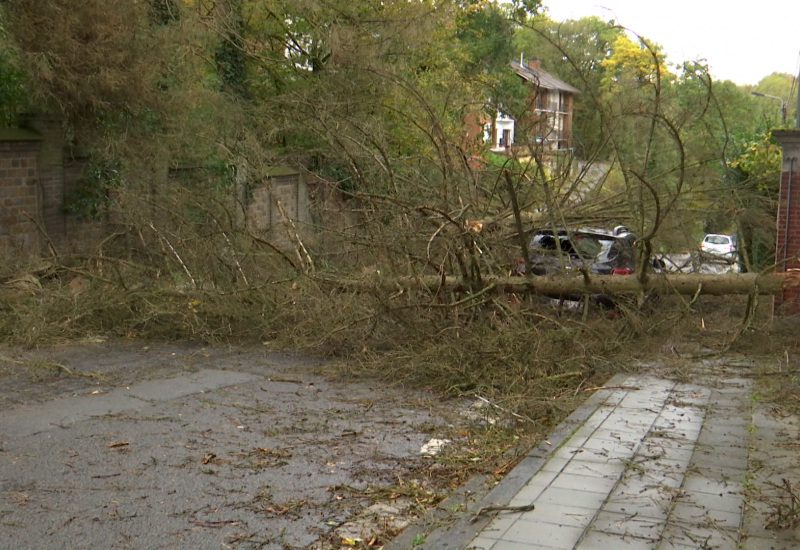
(13, 96)
(780, 108)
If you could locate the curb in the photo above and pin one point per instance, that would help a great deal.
(460, 508)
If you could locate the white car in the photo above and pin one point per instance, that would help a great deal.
(720, 245)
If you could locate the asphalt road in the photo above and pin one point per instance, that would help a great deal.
(131, 446)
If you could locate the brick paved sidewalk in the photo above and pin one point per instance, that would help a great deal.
(647, 464)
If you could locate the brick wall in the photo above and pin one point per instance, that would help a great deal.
(35, 176)
(19, 196)
(787, 248)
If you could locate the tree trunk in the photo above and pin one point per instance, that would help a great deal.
(693, 283)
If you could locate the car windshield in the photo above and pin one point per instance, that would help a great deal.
(582, 245)
(717, 239)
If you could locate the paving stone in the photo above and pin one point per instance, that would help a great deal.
(607, 468)
(733, 504)
(671, 545)
(574, 498)
(568, 451)
(642, 506)
(548, 535)
(626, 436)
(558, 514)
(668, 464)
(688, 514)
(642, 402)
(679, 431)
(662, 476)
(615, 398)
(680, 537)
(636, 424)
(578, 438)
(557, 462)
(757, 543)
(590, 455)
(481, 543)
(590, 484)
(542, 477)
(595, 540)
(628, 525)
(498, 526)
(739, 421)
(505, 545)
(708, 457)
(666, 447)
(527, 495)
(718, 472)
(692, 394)
(702, 484)
(610, 448)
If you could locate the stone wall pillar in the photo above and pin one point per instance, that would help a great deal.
(787, 248)
(20, 237)
(51, 174)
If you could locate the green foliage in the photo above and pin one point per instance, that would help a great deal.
(230, 57)
(484, 32)
(164, 12)
(13, 95)
(778, 104)
(90, 197)
(761, 160)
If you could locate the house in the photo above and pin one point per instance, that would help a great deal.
(548, 123)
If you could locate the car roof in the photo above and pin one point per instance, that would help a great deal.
(575, 231)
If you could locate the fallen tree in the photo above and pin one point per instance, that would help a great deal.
(687, 284)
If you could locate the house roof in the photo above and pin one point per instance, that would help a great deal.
(542, 78)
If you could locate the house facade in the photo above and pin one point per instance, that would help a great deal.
(548, 123)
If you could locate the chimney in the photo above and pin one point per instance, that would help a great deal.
(534, 63)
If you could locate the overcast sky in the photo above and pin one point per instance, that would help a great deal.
(742, 41)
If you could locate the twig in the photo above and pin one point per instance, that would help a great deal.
(174, 253)
(52, 365)
(612, 388)
(44, 234)
(571, 374)
(485, 509)
(531, 420)
(214, 524)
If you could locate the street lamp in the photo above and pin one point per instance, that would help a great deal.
(783, 103)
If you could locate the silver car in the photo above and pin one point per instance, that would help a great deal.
(723, 246)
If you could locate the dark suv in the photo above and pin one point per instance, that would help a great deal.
(565, 250)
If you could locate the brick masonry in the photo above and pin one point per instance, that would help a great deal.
(19, 198)
(35, 176)
(787, 249)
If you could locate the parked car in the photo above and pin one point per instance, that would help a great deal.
(564, 250)
(724, 246)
